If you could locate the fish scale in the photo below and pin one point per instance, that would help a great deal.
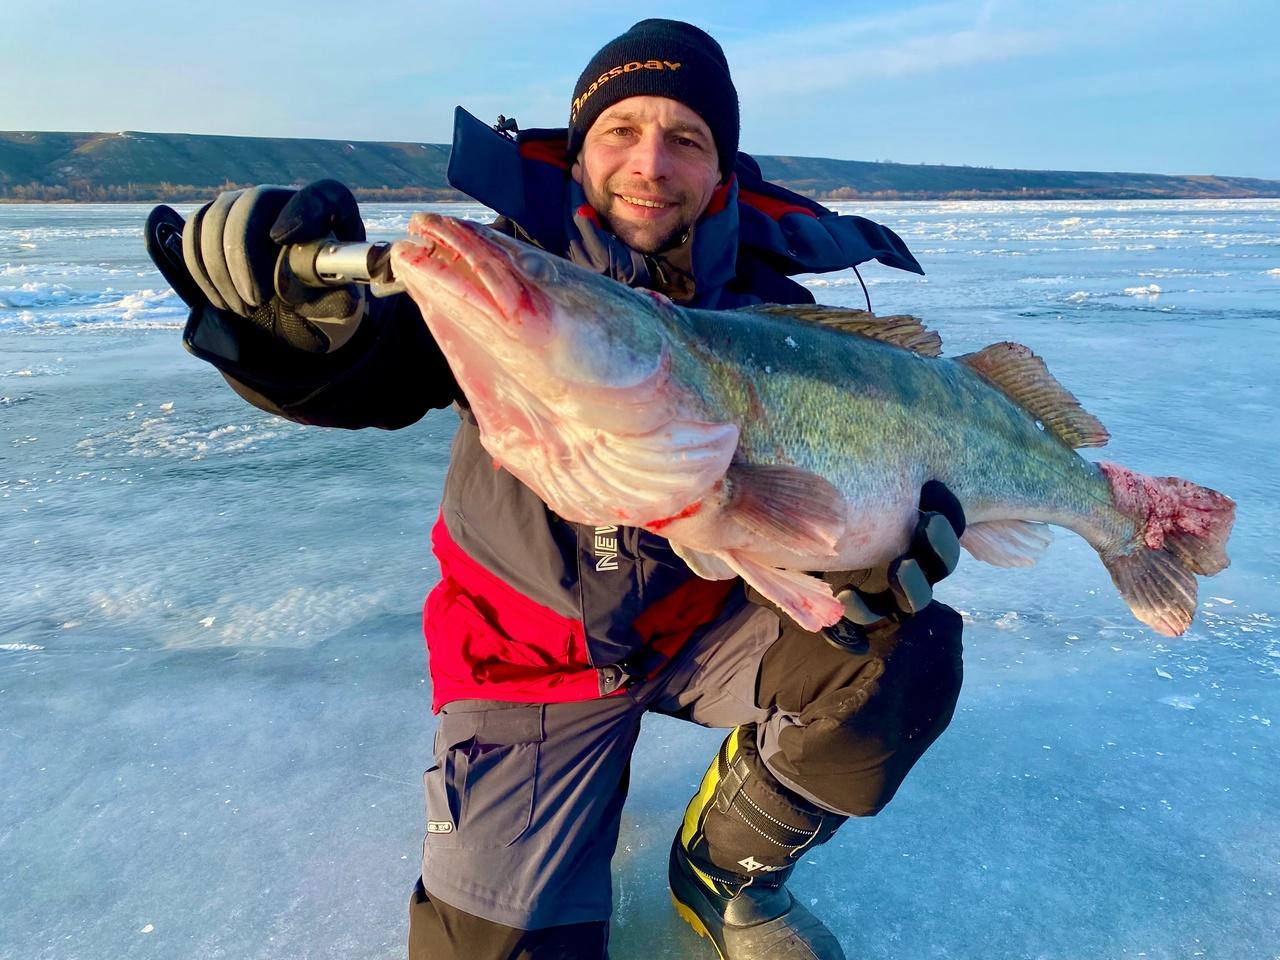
(879, 421)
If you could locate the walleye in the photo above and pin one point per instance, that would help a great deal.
(771, 442)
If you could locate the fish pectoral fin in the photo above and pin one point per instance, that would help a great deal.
(1020, 375)
(1007, 543)
(804, 598)
(792, 508)
(900, 330)
(708, 566)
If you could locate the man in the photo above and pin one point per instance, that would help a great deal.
(549, 641)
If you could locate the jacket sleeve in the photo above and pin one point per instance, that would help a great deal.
(388, 375)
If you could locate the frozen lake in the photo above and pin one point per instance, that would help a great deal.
(214, 709)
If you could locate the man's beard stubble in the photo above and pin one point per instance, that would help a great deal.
(673, 238)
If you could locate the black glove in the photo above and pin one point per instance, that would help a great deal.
(230, 247)
(888, 595)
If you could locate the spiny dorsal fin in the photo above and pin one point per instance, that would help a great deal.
(900, 330)
(1023, 378)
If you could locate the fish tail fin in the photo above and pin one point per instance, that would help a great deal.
(1182, 531)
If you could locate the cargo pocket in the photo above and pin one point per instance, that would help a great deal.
(481, 791)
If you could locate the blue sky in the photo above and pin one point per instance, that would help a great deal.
(1168, 87)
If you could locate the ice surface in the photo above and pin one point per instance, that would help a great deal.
(1150, 290)
(213, 695)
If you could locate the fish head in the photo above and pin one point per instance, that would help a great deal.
(513, 307)
(569, 374)
(465, 274)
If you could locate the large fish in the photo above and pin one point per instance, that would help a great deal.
(771, 442)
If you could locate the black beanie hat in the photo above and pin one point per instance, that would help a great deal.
(660, 58)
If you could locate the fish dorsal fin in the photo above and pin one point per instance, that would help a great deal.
(901, 330)
(1022, 376)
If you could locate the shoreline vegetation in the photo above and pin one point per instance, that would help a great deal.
(132, 167)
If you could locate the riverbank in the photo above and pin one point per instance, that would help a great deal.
(133, 167)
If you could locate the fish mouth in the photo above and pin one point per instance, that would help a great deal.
(447, 259)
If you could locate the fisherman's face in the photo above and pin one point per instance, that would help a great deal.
(648, 166)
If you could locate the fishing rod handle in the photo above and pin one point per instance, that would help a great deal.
(336, 263)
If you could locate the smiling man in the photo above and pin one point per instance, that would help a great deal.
(548, 640)
(654, 127)
(648, 166)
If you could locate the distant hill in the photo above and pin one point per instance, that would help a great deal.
(850, 179)
(177, 167)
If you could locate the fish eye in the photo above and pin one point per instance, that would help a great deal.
(538, 266)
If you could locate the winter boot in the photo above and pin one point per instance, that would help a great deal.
(740, 840)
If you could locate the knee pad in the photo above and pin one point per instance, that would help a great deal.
(852, 747)
(744, 825)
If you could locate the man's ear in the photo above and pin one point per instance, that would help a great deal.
(576, 171)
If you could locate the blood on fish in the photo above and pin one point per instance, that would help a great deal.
(526, 302)
(1166, 504)
(689, 511)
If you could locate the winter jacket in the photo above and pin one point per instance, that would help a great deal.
(531, 607)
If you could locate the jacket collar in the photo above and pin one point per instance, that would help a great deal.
(527, 180)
